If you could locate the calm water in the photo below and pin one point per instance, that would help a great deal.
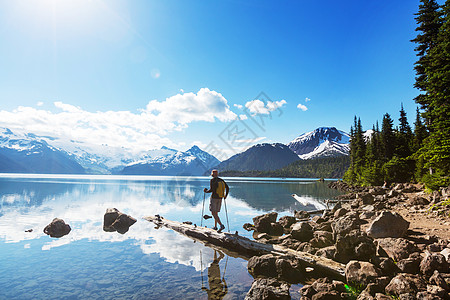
(144, 263)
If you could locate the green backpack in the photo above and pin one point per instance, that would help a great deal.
(220, 189)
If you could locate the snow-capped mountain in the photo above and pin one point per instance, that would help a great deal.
(166, 161)
(29, 153)
(324, 141)
(261, 157)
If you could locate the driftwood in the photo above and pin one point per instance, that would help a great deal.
(248, 247)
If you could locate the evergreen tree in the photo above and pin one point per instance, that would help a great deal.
(387, 137)
(429, 23)
(404, 136)
(420, 132)
(436, 149)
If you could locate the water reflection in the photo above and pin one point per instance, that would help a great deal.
(149, 263)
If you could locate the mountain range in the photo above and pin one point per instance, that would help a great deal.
(29, 153)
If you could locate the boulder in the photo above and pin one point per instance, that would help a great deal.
(57, 228)
(287, 221)
(340, 212)
(388, 224)
(432, 262)
(354, 245)
(409, 265)
(322, 239)
(328, 252)
(405, 284)
(302, 231)
(248, 226)
(395, 248)
(437, 279)
(418, 200)
(263, 222)
(331, 295)
(123, 223)
(361, 272)
(365, 198)
(281, 267)
(268, 288)
(345, 224)
(386, 265)
(114, 220)
(301, 214)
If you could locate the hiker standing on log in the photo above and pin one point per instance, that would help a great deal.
(219, 189)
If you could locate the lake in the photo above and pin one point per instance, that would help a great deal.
(143, 263)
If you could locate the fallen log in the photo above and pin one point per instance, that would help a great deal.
(243, 245)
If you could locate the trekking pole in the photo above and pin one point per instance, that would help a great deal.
(226, 213)
(203, 207)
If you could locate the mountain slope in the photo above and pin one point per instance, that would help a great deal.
(322, 142)
(29, 154)
(261, 157)
(167, 161)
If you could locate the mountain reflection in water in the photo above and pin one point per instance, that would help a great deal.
(149, 262)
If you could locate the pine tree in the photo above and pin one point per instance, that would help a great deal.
(420, 132)
(436, 149)
(429, 23)
(387, 137)
(404, 136)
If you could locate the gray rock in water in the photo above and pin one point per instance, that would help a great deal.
(388, 224)
(361, 272)
(263, 222)
(114, 220)
(57, 228)
(302, 231)
(282, 267)
(268, 288)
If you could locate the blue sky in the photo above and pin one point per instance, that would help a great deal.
(89, 68)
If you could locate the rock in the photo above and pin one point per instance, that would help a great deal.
(282, 267)
(396, 248)
(340, 212)
(268, 289)
(110, 216)
(322, 239)
(302, 231)
(386, 265)
(123, 223)
(328, 252)
(331, 295)
(418, 200)
(438, 280)
(114, 220)
(432, 262)
(57, 228)
(354, 245)
(262, 223)
(405, 284)
(388, 224)
(409, 265)
(301, 214)
(345, 224)
(392, 193)
(307, 291)
(361, 272)
(287, 221)
(380, 296)
(437, 291)
(445, 192)
(365, 198)
(446, 253)
(325, 226)
(276, 229)
(318, 219)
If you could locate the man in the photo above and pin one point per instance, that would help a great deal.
(219, 189)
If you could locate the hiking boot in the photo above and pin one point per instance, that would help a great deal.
(222, 227)
(215, 228)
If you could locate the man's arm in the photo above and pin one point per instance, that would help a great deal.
(210, 187)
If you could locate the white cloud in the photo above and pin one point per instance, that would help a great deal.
(259, 107)
(302, 107)
(238, 106)
(307, 99)
(40, 103)
(140, 131)
(243, 117)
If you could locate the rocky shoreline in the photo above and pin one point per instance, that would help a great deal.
(385, 256)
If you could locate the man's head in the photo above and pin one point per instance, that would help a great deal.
(214, 173)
